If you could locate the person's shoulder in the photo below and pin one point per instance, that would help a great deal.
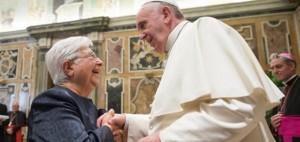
(21, 112)
(206, 18)
(55, 94)
(44, 94)
(47, 94)
(210, 22)
(207, 21)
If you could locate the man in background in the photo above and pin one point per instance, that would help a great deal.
(283, 68)
(17, 119)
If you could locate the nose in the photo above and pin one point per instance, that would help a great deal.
(99, 61)
(142, 36)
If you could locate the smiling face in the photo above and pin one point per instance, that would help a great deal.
(89, 68)
(152, 26)
(281, 69)
(84, 70)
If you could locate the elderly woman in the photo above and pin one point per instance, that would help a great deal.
(64, 113)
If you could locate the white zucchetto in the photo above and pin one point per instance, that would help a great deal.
(166, 1)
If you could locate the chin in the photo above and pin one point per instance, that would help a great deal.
(280, 79)
(96, 83)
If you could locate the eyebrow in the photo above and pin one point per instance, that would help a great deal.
(141, 24)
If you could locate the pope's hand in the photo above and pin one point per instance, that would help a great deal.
(119, 120)
(103, 120)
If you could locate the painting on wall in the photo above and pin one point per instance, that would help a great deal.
(7, 17)
(114, 55)
(110, 8)
(114, 94)
(8, 64)
(276, 37)
(40, 12)
(248, 31)
(14, 14)
(7, 95)
(142, 91)
(143, 57)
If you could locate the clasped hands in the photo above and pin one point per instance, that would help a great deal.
(9, 131)
(116, 123)
(104, 120)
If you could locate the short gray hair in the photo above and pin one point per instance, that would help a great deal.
(65, 49)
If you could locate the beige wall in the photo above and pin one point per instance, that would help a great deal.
(264, 33)
(128, 81)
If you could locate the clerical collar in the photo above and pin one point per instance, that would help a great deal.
(174, 35)
(290, 81)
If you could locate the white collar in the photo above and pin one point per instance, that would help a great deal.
(174, 35)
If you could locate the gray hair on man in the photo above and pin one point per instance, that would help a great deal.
(61, 51)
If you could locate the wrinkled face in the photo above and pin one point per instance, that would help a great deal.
(86, 69)
(281, 70)
(152, 27)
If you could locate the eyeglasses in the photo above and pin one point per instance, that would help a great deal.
(90, 54)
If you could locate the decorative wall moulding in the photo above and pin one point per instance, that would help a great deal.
(83, 26)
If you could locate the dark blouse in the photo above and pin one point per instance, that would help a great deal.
(60, 115)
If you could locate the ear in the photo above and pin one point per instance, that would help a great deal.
(167, 13)
(67, 68)
(292, 66)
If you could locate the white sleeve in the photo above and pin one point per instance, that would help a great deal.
(219, 120)
(137, 126)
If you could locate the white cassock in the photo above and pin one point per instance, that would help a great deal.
(213, 89)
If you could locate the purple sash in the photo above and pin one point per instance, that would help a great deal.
(289, 128)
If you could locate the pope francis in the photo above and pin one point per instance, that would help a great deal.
(213, 88)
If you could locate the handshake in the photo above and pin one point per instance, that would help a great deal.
(115, 122)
